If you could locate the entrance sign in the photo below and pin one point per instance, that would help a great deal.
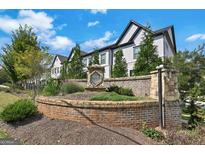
(95, 78)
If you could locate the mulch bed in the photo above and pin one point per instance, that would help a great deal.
(78, 96)
(42, 130)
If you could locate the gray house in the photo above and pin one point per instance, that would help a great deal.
(129, 42)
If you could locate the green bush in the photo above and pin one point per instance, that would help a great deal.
(51, 88)
(19, 110)
(126, 91)
(120, 90)
(69, 88)
(152, 133)
(113, 88)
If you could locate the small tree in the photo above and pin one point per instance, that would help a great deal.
(95, 57)
(191, 82)
(120, 66)
(147, 59)
(75, 67)
(8, 65)
(25, 59)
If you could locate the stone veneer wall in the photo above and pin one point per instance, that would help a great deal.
(140, 84)
(122, 114)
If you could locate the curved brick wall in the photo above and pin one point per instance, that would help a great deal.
(124, 114)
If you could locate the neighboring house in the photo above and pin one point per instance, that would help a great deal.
(57, 65)
(129, 42)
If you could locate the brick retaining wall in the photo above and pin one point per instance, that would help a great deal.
(140, 85)
(124, 114)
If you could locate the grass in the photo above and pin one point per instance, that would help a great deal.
(3, 135)
(112, 96)
(6, 98)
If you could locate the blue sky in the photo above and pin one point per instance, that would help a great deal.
(61, 29)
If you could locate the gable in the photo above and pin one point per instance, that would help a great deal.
(56, 62)
(139, 37)
(127, 34)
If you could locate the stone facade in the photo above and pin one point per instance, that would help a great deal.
(169, 85)
(140, 85)
(144, 85)
(122, 114)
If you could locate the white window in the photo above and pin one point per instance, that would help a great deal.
(89, 60)
(103, 58)
(135, 52)
(85, 62)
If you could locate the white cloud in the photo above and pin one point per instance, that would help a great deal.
(61, 42)
(94, 23)
(60, 27)
(95, 11)
(39, 20)
(42, 25)
(97, 43)
(195, 37)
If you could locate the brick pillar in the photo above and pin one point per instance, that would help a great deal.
(169, 85)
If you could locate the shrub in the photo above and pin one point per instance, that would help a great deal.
(113, 88)
(120, 90)
(69, 88)
(51, 88)
(152, 133)
(19, 110)
(126, 91)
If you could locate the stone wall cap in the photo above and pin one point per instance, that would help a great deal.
(94, 104)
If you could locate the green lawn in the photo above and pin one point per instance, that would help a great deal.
(112, 96)
(6, 98)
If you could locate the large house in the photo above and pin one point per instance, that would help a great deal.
(129, 42)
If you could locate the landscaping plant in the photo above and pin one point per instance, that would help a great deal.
(120, 90)
(152, 133)
(51, 88)
(19, 110)
(120, 66)
(75, 67)
(147, 59)
(69, 88)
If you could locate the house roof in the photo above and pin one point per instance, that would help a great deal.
(60, 57)
(131, 41)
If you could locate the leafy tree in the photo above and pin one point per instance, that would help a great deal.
(25, 58)
(191, 82)
(8, 64)
(120, 66)
(75, 67)
(147, 59)
(3, 76)
(95, 57)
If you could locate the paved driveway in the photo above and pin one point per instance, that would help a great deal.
(43, 130)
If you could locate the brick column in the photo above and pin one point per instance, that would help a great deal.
(169, 85)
